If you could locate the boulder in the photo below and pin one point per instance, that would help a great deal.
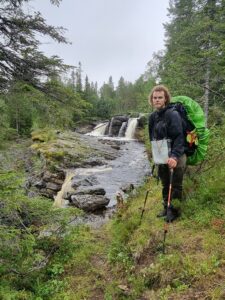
(89, 203)
(122, 118)
(92, 190)
(84, 181)
(115, 125)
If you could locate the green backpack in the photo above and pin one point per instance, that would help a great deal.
(200, 134)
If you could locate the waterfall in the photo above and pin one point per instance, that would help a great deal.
(59, 201)
(116, 128)
(131, 126)
(110, 127)
(122, 129)
(99, 130)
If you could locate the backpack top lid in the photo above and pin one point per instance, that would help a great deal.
(196, 115)
(194, 111)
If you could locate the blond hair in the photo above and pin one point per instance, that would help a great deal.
(160, 88)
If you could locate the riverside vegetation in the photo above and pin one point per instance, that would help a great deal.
(43, 257)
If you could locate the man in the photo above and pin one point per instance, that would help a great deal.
(165, 125)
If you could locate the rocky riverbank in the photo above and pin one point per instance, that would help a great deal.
(60, 151)
(87, 171)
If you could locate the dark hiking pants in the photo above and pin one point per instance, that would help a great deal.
(178, 174)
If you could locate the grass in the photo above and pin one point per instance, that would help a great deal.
(124, 259)
(134, 266)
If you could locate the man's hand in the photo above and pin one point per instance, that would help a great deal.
(172, 163)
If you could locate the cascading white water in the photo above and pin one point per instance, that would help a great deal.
(99, 130)
(110, 127)
(59, 200)
(127, 129)
(122, 129)
(131, 126)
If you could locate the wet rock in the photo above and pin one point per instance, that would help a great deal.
(116, 147)
(48, 193)
(40, 184)
(84, 181)
(89, 203)
(127, 188)
(48, 176)
(53, 186)
(122, 118)
(115, 125)
(57, 181)
(113, 144)
(90, 190)
(93, 161)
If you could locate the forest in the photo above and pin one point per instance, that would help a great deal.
(35, 89)
(43, 94)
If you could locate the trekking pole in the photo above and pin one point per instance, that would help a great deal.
(146, 196)
(143, 209)
(166, 225)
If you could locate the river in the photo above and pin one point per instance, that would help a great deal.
(130, 167)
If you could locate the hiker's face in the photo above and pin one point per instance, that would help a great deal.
(158, 99)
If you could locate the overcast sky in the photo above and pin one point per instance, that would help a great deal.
(109, 37)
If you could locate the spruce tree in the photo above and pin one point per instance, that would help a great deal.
(193, 61)
(21, 58)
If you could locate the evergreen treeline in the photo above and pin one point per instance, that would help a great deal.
(193, 61)
(34, 93)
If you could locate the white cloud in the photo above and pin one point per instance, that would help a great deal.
(109, 37)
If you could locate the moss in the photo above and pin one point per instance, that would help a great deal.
(66, 149)
(44, 135)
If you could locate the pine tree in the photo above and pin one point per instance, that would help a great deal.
(87, 88)
(78, 76)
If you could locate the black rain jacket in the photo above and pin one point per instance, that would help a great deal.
(166, 123)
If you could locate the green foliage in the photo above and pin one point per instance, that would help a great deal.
(104, 108)
(44, 135)
(24, 108)
(141, 90)
(64, 113)
(210, 185)
(35, 241)
(19, 108)
(6, 133)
